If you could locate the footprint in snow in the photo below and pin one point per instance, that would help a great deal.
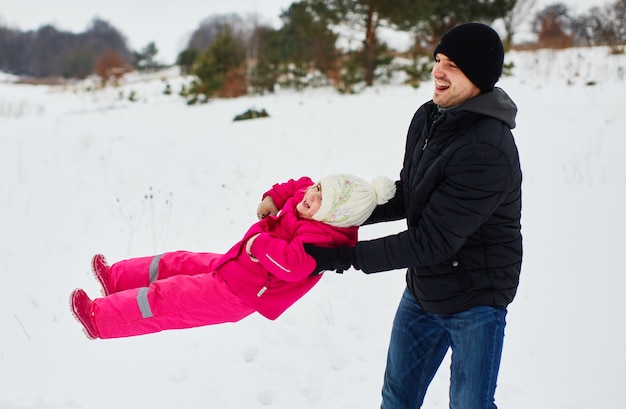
(265, 398)
(250, 354)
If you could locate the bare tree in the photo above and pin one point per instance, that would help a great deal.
(110, 67)
(552, 25)
(516, 17)
(243, 30)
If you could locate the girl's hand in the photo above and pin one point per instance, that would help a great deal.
(249, 246)
(266, 208)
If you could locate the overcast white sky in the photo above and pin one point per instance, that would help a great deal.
(168, 24)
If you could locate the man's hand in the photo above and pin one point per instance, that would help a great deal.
(328, 258)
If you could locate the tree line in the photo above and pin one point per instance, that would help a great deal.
(50, 52)
(231, 55)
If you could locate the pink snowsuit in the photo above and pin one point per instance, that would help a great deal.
(182, 289)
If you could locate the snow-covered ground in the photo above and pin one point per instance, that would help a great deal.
(83, 172)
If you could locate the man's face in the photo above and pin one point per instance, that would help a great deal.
(452, 87)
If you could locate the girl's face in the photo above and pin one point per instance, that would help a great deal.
(311, 202)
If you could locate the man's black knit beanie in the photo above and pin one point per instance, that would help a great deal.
(477, 50)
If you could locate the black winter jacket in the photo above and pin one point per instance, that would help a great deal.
(460, 193)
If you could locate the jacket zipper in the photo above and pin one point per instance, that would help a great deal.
(432, 131)
(264, 288)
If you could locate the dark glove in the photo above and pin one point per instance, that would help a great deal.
(328, 258)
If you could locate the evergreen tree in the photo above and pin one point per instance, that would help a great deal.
(306, 42)
(427, 19)
(145, 60)
(265, 71)
(219, 69)
(186, 60)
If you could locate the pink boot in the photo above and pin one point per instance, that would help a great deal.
(82, 309)
(101, 270)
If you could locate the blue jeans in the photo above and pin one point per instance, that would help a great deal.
(419, 342)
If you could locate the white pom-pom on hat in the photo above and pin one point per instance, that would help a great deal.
(348, 200)
(385, 189)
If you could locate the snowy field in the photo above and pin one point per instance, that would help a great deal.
(83, 172)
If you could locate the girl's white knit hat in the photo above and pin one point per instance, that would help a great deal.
(348, 200)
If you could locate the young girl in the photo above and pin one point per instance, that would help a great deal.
(267, 271)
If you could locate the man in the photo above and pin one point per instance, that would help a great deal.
(460, 193)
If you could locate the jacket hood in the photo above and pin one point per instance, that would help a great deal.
(496, 104)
